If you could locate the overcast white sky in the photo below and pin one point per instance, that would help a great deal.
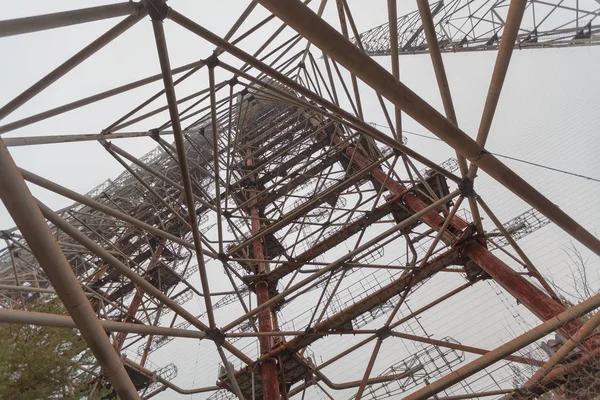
(548, 113)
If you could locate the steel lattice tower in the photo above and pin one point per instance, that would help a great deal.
(282, 197)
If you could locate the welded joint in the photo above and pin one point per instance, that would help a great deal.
(233, 81)
(106, 144)
(227, 214)
(154, 134)
(466, 187)
(383, 332)
(223, 257)
(215, 335)
(212, 61)
(157, 9)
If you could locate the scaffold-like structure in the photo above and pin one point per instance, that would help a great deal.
(279, 221)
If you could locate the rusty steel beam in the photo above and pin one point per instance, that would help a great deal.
(314, 29)
(364, 305)
(542, 305)
(536, 301)
(340, 261)
(508, 348)
(330, 242)
(23, 208)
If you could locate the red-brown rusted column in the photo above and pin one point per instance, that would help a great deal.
(536, 301)
(270, 378)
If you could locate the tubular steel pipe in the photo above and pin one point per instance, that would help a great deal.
(507, 44)
(92, 99)
(35, 140)
(56, 188)
(394, 47)
(167, 383)
(252, 61)
(63, 321)
(32, 289)
(468, 349)
(508, 348)
(163, 56)
(19, 26)
(352, 384)
(576, 340)
(22, 207)
(80, 237)
(475, 395)
(536, 301)
(314, 29)
(72, 62)
(336, 264)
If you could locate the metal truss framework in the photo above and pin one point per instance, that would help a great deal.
(290, 196)
(475, 25)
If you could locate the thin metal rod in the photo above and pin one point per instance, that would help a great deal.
(163, 55)
(35, 140)
(534, 271)
(574, 341)
(508, 348)
(19, 26)
(303, 20)
(461, 347)
(23, 209)
(63, 191)
(336, 264)
(230, 373)
(114, 262)
(507, 44)
(365, 379)
(215, 146)
(63, 321)
(72, 62)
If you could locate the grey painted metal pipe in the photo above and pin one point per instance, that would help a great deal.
(19, 26)
(35, 140)
(22, 207)
(63, 321)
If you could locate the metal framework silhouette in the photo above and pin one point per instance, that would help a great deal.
(467, 25)
(293, 199)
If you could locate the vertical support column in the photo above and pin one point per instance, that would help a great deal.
(270, 378)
